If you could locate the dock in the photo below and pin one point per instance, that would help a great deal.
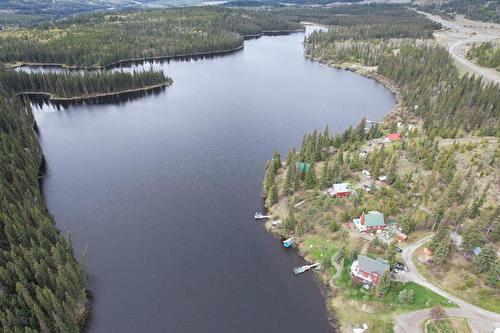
(260, 216)
(301, 269)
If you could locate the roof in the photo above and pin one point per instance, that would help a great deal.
(370, 265)
(394, 136)
(374, 219)
(476, 250)
(303, 167)
(382, 178)
(341, 187)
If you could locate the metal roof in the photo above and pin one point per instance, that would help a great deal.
(370, 265)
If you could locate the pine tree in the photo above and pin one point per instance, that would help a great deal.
(325, 173)
(276, 161)
(384, 284)
(310, 179)
(442, 250)
(272, 196)
(487, 258)
(391, 254)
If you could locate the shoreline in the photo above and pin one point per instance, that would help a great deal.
(94, 98)
(325, 284)
(120, 63)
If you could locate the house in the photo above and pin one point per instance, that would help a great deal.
(370, 222)
(382, 178)
(393, 137)
(368, 270)
(340, 190)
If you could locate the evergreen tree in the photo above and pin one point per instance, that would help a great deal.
(487, 258)
(276, 161)
(442, 250)
(310, 178)
(384, 284)
(391, 254)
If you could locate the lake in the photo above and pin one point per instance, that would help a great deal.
(162, 190)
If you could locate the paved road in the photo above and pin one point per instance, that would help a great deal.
(480, 320)
(469, 36)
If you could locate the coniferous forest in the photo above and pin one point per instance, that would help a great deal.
(76, 84)
(430, 83)
(42, 284)
(103, 39)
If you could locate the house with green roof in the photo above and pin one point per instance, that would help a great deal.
(370, 222)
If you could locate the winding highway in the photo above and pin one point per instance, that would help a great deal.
(470, 34)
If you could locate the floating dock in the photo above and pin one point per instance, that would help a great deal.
(260, 216)
(305, 268)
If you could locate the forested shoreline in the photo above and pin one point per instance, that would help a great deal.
(43, 285)
(77, 85)
(98, 40)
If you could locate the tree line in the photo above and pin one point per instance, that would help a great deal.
(430, 83)
(105, 38)
(73, 84)
(42, 285)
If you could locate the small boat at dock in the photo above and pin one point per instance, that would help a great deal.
(301, 269)
(288, 242)
(260, 216)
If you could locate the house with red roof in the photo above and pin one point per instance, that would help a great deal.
(393, 137)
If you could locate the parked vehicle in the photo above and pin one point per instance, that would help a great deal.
(366, 188)
(398, 249)
(399, 266)
(366, 174)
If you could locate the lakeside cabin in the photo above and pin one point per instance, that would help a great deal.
(373, 221)
(393, 137)
(340, 190)
(367, 270)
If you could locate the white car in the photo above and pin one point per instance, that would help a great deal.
(366, 174)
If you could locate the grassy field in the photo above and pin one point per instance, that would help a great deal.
(449, 325)
(456, 277)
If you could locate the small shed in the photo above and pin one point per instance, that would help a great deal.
(303, 167)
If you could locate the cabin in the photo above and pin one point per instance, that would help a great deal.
(367, 270)
(393, 137)
(303, 167)
(340, 190)
(372, 221)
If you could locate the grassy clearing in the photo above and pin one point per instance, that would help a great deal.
(449, 325)
(456, 277)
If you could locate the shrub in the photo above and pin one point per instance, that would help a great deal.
(406, 296)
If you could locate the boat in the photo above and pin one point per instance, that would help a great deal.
(288, 242)
(301, 269)
(260, 216)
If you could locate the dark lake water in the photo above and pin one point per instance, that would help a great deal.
(162, 190)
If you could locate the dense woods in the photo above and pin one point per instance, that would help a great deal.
(486, 54)
(429, 82)
(42, 284)
(76, 84)
(368, 21)
(102, 39)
